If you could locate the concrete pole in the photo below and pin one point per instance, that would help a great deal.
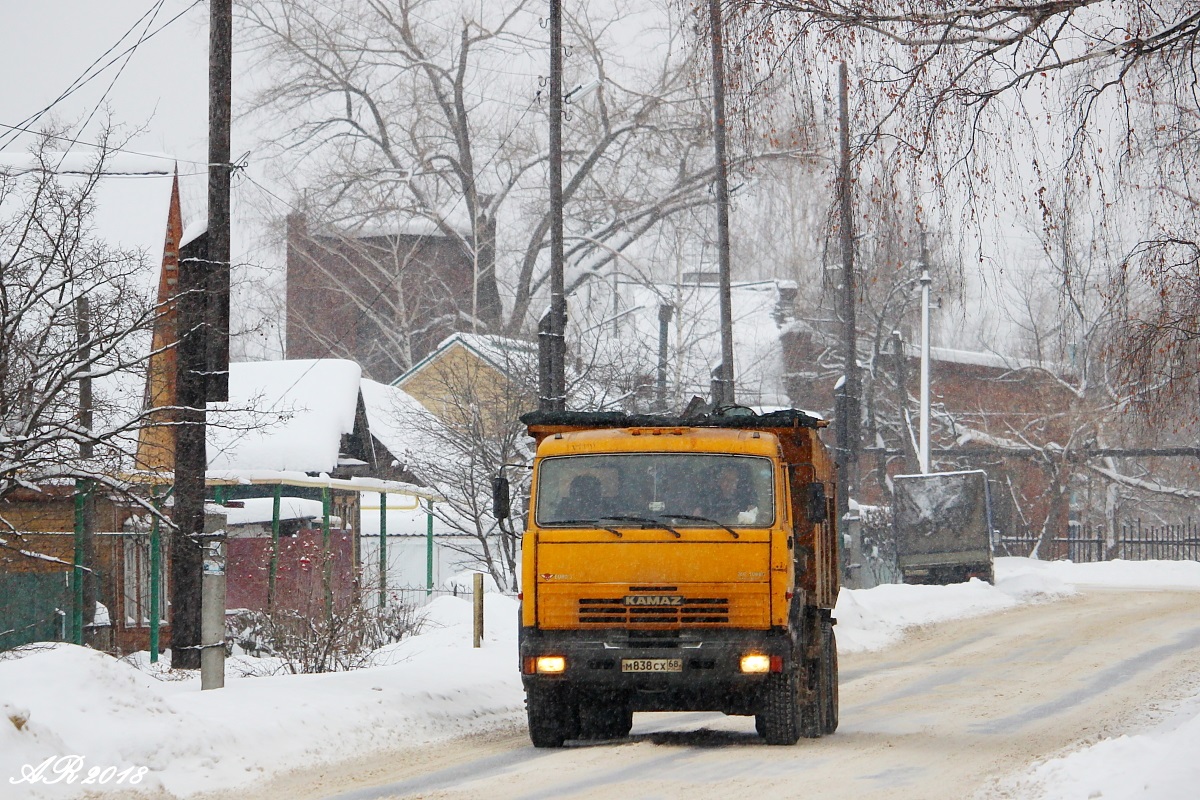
(383, 499)
(923, 456)
(847, 408)
(212, 604)
(429, 550)
(212, 616)
(554, 391)
(664, 320)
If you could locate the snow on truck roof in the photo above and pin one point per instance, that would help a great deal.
(731, 418)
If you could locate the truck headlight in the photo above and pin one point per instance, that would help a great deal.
(756, 663)
(551, 665)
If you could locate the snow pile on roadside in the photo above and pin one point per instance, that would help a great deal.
(1113, 574)
(1159, 764)
(63, 700)
(871, 619)
(73, 701)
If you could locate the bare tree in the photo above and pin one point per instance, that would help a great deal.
(416, 111)
(74, 310)
(997, 103)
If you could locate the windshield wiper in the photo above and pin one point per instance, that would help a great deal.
(705, 519)
(589, 523)
(653, 523)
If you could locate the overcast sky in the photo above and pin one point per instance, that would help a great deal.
(46, 45)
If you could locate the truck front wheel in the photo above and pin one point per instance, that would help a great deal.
(778, 718)
(605, 721)
(553, 718)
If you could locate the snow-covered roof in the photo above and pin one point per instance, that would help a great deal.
(261, 509)
(396, 223)
(976, 358)
(510, 357)
(284, 415)
(396, 419)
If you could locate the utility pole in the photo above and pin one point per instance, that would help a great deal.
(220, 119)
(664, 320)
(552, 333)
(190, 458)
(923, 454)
(847, 397)
(203, 363)
(220, 89)
(725, 369)
(84, 605)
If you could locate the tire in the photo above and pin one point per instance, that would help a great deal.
(612, 721)
(552, 717)
(829, 673)
(779, 715)
(810, 712)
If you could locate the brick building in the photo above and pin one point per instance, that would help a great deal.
(384, 297)
(987, 412)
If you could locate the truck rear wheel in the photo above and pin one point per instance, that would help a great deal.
(552, 717)
(811, 711)
(829, 681)
(779, 715)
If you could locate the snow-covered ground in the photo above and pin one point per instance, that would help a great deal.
(61, 701)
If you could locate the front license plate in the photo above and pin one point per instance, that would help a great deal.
(651, 665)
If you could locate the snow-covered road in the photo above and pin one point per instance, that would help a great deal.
(952, 711)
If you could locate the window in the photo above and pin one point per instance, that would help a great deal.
(684, 490)
(137, 581)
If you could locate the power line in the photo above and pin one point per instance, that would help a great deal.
(87, 76)
(120, 71)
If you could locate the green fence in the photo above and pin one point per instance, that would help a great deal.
(34, 608)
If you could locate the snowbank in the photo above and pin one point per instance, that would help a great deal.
(1115, 574)
(66, 700)
(62, 700)
(871, 619)
(1159, 764)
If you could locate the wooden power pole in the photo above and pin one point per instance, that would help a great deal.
(203, 363)
(724, 378)
(552, 331)
(847, 396)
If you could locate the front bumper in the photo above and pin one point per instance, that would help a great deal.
(710, 678)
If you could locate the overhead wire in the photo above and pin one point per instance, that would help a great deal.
(88, 75)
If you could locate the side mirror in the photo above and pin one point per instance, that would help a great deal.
(817, 509)
(501, 500)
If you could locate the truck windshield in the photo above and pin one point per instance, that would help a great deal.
(683, 490)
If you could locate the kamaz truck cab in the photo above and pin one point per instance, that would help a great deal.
(678, 564)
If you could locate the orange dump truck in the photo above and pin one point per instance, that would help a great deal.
(678, 564)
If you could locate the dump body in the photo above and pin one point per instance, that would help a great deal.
(943, 526)
(660, 554)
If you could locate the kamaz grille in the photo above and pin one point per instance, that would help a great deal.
(613, 613)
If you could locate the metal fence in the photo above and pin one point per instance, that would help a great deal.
(1134, 541)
